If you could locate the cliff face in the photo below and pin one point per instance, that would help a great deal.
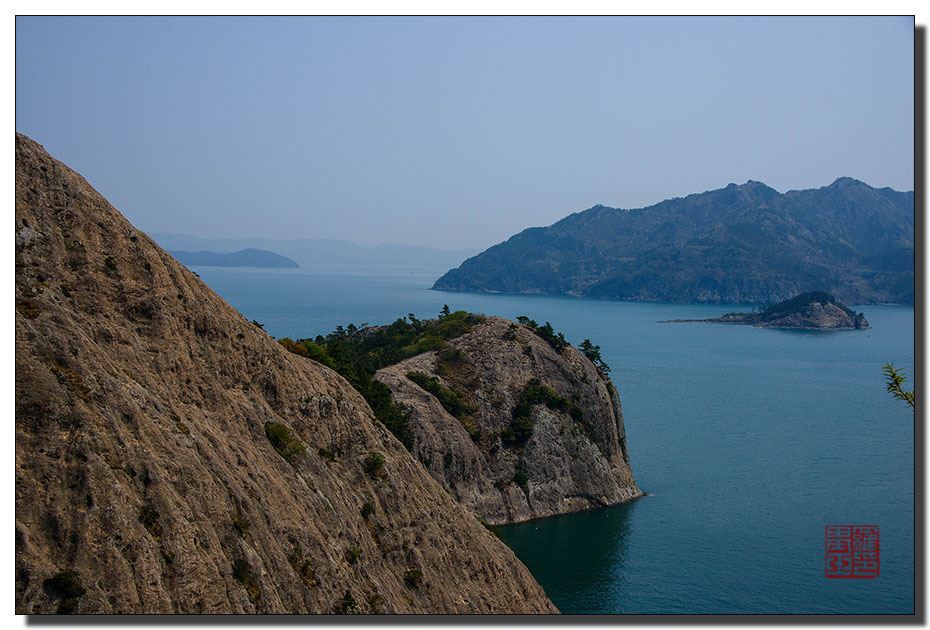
(172, 457)
(563, 451)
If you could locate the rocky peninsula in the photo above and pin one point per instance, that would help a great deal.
(538, 432)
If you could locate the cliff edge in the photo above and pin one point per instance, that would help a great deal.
(513, 427)
(171, 457)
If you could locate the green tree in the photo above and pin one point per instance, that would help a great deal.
(358, 356)
(894, 382)
(594, 354)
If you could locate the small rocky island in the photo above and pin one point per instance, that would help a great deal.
(817, 310)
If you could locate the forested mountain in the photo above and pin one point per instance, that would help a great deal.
(739, 244)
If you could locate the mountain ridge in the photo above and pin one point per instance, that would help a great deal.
(738, 244)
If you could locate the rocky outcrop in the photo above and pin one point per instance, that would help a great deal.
(820, 316)
(172, 458)
(809, 311)
(570, 454)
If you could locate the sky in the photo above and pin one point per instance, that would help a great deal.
(456, 132)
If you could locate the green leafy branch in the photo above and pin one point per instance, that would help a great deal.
(894, 381)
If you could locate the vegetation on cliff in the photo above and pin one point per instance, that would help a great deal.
(539, 418)
(358, 352)
(554, 339)
(451, 400)
(521, 422)
(515, 422)
(558, 342)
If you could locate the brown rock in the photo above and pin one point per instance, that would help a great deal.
(146, 481)
(570, 464)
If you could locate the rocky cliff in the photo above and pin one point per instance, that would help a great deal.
(172, 458)
(526, 430)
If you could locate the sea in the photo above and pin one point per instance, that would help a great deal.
(749, 443)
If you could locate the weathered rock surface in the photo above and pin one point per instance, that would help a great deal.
(142, 460)
(569, 464)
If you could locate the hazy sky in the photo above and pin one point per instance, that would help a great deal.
(456, 132)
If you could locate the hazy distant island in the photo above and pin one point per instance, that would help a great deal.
(243, 258)
(746, 244)
(322, 251)
(813, 311)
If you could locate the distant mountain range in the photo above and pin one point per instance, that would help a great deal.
(243, 258)
(739, 244)
(322, 251)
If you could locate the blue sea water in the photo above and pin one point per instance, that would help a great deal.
(749, 442)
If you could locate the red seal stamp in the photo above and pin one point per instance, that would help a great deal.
(851, 551)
